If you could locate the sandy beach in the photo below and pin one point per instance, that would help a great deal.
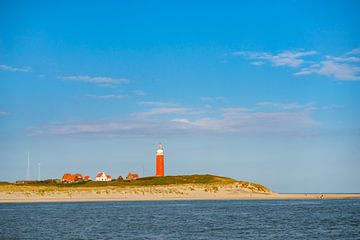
(151, 193)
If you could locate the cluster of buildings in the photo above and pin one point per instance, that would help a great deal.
(103, 177)
(100, 177)
(77, 177)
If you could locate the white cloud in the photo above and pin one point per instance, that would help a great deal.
(343, 59)
(158, 104)
(286, 58)
(7, 68)
(108, 128)
(180, 120)
(164, 111)
(210, 102)
(339, 71)
(354, 51)
(345, 67)
(258, 63)
(291, 59)
(139, 92)
(103, 81)
(331, 107)
(212, 99)
(287, 106)
(236, 121)
(236, 110)
(105, 97)
(2, 113)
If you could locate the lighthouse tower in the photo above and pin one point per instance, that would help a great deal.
(160, 161)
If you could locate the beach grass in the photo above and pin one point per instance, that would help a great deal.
(206, 181)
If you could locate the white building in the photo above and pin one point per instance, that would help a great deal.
(102, 177)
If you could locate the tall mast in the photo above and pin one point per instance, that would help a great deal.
(28, 167)
(38, 171)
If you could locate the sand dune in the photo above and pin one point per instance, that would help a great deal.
(151, 193)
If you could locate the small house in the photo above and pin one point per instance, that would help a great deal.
(70, 178)
(132, 176)
(102, 177)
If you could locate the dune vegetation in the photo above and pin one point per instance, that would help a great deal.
(203, 181)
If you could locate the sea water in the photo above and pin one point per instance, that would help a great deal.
(272, 219)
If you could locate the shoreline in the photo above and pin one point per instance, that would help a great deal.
(138, 197)
(228, 191)
(60, 200)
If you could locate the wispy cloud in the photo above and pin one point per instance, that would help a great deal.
(7, 68)
(344, 59)
(355, 51)
(105, 97)
(258, 123)
(288, 106)
(165, 111)
(121, 127)
(343, 67)
(258, 63)
(103, 81)
(294, 106)
(212, 99)
(2, 113)
(158, 104)
(139, 92)
(339, 71)
(238, 121)
(286, 58)
(211, 102)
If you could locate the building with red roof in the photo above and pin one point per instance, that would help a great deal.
(69, 178)
(132, 176)
(102, 177)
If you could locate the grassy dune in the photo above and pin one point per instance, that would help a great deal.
(197, 180)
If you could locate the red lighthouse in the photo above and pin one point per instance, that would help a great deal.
(160, 161)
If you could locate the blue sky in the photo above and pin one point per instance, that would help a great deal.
(258, 91)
